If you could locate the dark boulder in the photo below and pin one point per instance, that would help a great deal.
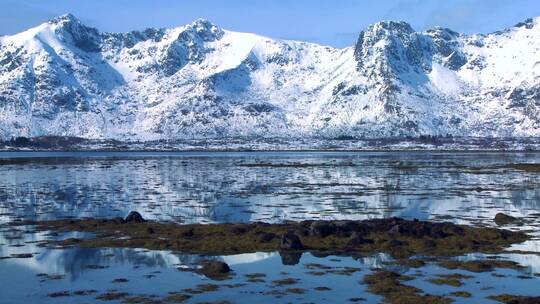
(290, 241)
(134, 217)
(503, 219)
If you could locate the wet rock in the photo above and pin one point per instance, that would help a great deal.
(134, 217)
(215, 269)
(322, 229)
(503, 219)
(290, 241)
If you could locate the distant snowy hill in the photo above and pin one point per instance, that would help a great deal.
(201, 81)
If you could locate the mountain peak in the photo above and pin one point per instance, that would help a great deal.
(197, 81)
(65, 18)
(528, 23)
(205, 29)
(82, 36)
(203, 23)
(391, 26)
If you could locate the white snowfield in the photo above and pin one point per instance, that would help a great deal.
(199, 81)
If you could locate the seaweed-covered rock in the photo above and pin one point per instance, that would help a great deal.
(239, 229)
(398, 237)
(503, 219)
(118, 220)
(265, 237)
(513, 299)
(357, 240)
(321, 228)
(290, 241)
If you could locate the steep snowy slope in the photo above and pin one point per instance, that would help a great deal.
(200, 81)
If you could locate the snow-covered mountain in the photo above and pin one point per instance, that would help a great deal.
(201, 81)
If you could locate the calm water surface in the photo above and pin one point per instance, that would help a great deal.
(466, 188)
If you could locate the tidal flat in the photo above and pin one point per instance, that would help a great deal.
(267, 227)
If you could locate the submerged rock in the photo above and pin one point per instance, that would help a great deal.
(134, 217)
(290, 241)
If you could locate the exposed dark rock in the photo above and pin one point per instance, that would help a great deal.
(528, 24)
(503, 219)
(134, 217)
(290, 241)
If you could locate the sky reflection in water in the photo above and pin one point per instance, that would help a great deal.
(241, 187)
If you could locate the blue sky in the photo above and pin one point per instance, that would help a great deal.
(332, 22)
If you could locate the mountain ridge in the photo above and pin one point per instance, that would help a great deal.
(63, 78)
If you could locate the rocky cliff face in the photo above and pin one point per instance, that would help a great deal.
(201, 81)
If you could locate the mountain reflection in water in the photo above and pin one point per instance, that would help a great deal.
(466, 188)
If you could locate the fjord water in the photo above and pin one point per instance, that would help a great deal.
(210, 187)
